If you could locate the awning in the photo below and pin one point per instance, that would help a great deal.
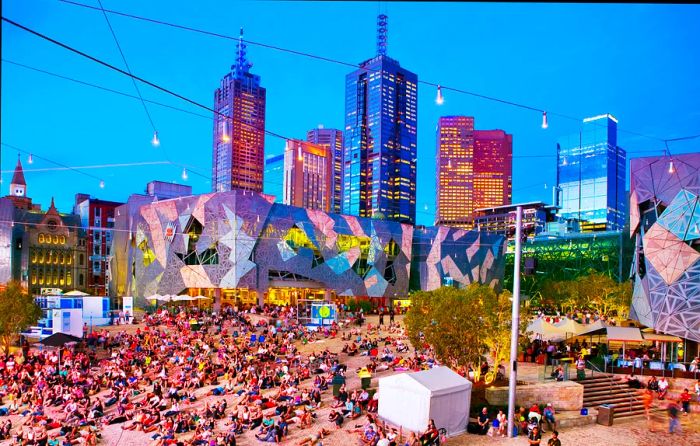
(661, 337)
(626, 334)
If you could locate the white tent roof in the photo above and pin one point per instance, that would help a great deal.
(440, 380)
(545, 329)
(624, 334)
(571, 326)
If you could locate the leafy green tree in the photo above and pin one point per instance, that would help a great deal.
(18, 310)
(462, 325)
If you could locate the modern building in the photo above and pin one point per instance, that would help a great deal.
(474, 170)
(239, 128)
(333, 139)
(591, 176)
(274, 176)
(308, 175)
(379, 156)
(455, 171)
(665, 223)
(501, 219)
(97, 219)
(241, 248)
(163, 190)
(493, 168)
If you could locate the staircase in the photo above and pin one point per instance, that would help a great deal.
(604, 388)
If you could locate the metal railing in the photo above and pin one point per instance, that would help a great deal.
(667, 369)
(615, 384)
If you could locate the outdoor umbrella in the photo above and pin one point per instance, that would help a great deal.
(76, 293)
(59, 340)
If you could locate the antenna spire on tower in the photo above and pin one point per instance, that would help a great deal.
(242, 64)
(382, 20)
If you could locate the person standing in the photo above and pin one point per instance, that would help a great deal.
(674, 423)
(391, 315)
(685, 401)
(554, 441)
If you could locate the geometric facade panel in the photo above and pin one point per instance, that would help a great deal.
(666, 224)
(243, 240)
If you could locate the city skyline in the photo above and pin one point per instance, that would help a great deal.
(184, 137)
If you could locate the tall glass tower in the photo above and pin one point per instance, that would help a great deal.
(239, 128)
(379, 156)
(333, 139)
(591, 176)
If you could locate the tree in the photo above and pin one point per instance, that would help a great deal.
(462, 325)
(18, 310)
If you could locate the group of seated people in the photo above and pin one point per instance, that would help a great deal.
(660, 386)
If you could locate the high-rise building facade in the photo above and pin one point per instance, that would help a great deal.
(333, 139)
(591, 171)
(308, 175)
(493, 168)
(474, 170)
(455, 171)
(379, 156)
(97, 219)
(239, 128)
(274, 174)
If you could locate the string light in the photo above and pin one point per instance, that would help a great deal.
(671, 169)
(30, 159)
(155, 141)
(439, 100)
(102, 184)
(544, 120)
(184, 174)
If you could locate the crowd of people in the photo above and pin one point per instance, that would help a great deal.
(194, 378)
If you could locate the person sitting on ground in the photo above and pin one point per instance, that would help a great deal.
(653, 384)
(483, 421)
(633, 382)
(313, 439)
(337, 418)
(430, 434)
(369, 436)
(502, 423)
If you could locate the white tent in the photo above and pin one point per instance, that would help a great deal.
(545, 331)
(410, 400)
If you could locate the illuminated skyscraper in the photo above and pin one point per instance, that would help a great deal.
(474, 170)
(333, 139)
(591, 172)
(239, 135)
(379, 156)
(493, 167)
(455, 169)
(308, 175)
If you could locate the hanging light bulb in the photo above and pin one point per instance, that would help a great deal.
(184, 174)
(155, 141)
(224, 135)
(544, 120)
(102, 184)
(449, 164)
(439, 99)
(30, 160)
(671, 169)
(258, 219)
(299, 155)
(426, 206)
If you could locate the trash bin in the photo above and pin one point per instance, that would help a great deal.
(606, 414)
(366, 382)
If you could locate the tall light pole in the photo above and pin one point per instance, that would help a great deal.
(515, 322)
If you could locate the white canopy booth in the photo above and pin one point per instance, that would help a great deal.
(410, 400)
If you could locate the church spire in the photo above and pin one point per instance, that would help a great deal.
(242, 65)
(382, 20)
(18, 176)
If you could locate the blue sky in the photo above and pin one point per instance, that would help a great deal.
(638, 62)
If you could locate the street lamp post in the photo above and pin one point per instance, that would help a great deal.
(515, 322)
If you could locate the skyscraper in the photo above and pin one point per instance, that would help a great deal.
(274, 174)
(308, 175)
(591, 176)
(239, 128)
(493, 168)
(455, 171)
(379, 156)
(333, 139)
(474, 170)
